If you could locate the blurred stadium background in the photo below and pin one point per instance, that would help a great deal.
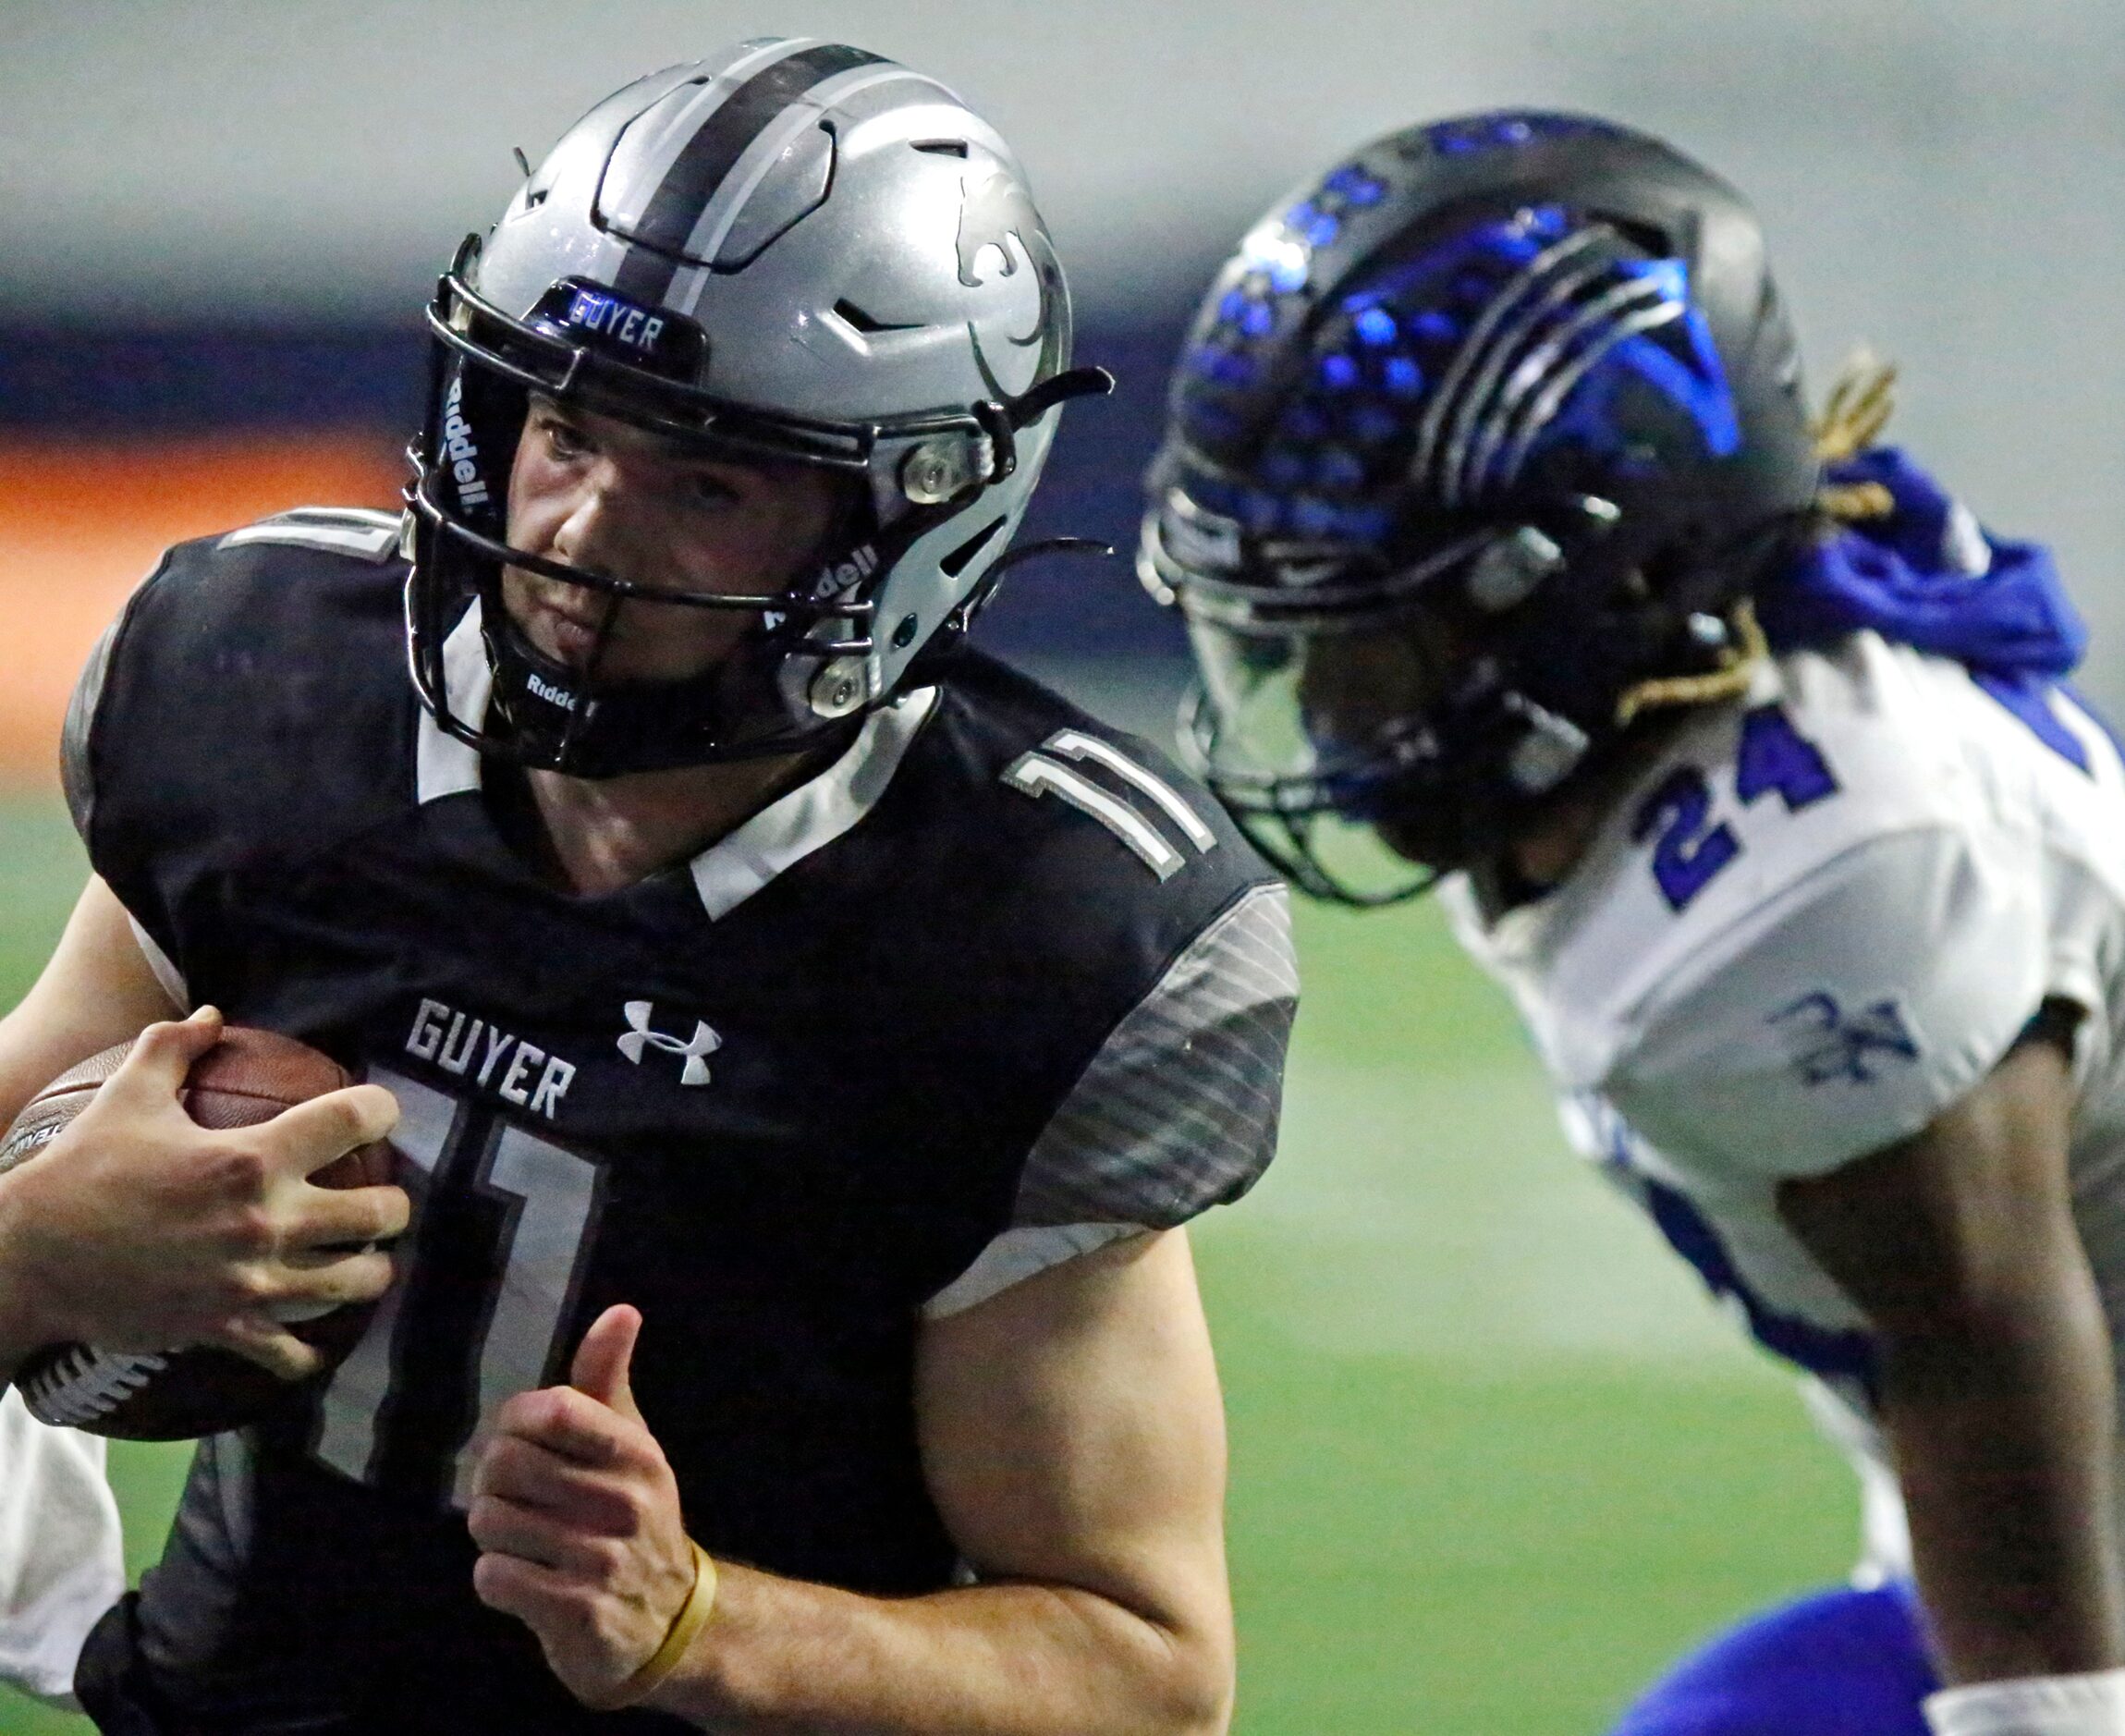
(1493, 1460)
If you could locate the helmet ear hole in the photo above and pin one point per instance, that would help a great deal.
(957, 561)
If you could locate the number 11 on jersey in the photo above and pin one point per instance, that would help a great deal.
(549, 1199)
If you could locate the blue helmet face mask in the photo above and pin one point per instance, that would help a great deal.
(1492, 425)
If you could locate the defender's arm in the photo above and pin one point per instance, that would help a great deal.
(1074, 1441)
(1997, 1387)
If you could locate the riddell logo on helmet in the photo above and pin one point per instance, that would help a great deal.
(553, 695)
(844, 576)
(458, 446)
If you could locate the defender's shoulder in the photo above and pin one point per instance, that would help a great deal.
(1818, 918)
(1844, 1013)
(1831, 757)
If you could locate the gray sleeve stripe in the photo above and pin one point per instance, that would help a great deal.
(1267, 949)
(1219, 995)
(1178, 1109)
(1235, 1074)
(77, 769)
(1145, 1119)
(1248, 946)
(1141, 1110)
(1245, 1014)
(1227, 1055)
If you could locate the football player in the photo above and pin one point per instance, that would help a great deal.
(808, 1035)
(1510, 560)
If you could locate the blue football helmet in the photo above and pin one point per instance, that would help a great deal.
(1476, 436)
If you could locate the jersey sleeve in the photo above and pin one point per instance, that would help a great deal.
(1847, 1012)
(1176, 1112)
(78, 780)
(77, 734)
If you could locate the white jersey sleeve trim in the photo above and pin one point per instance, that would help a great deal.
(165, 972)
(1018, 1255)
(61, 1566)
(1847, 1012)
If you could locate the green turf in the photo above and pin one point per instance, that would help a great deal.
(1495, 1459)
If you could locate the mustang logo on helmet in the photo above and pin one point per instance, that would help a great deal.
(995, 210)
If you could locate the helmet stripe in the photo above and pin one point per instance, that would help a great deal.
(1526, 420)
(1500, 333)
(668, 224)
(727, 205)
(1536, 387)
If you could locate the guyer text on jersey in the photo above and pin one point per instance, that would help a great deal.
(519, 1073)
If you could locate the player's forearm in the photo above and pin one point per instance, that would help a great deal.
(992, 1660)
(2001, 1421)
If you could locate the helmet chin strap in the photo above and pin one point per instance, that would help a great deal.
(555, 719)
(579, 718)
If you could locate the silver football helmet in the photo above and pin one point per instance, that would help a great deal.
(793, 250)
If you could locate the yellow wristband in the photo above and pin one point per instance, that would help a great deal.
(692, 1616)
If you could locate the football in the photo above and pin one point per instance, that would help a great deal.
(249, 1076)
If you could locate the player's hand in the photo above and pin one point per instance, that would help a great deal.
(577, 1515)
(136, 1228)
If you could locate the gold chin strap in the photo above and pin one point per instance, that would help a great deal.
(1858, 408)
(1729, 680)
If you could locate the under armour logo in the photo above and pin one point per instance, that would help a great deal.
(1827, 1043)
(703, 1043)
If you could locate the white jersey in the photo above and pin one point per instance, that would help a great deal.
(60, 1564)
(1821, 918)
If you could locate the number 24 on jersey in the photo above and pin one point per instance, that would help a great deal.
(1691, 847)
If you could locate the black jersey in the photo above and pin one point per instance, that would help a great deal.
(994, 982)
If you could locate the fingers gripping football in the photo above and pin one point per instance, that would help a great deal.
(577, 1516)
(142, 1228)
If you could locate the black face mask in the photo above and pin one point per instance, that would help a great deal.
(553, 717)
